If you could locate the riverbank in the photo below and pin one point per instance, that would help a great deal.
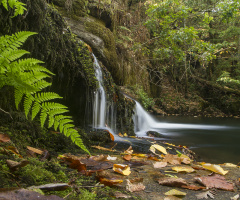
(85, 177)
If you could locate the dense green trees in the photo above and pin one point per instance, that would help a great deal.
(196, 36)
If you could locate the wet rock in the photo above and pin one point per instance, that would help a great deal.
(154, 134)
(100, 136)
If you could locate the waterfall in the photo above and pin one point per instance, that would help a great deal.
(144, 122)
(104, 114)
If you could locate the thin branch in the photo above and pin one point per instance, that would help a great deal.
(6, 113)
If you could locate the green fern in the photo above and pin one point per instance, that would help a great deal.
(14, 4)
(28, 79)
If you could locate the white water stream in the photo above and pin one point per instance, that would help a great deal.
(104, 115)
(144, 122)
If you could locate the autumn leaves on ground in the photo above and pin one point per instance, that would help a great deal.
(111, 174)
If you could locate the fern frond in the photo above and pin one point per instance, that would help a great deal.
(63, 122)
(18, 97)
(14, 41)
(46, 96)
(52, 105)
(66, 127)
(57, 119)
(79, 142)
(4, 3)
(19, 8)
(35, 109)
(13, 55)
(43, 117)
(28, 103)
(41, 84)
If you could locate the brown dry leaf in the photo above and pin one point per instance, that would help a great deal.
(187, 169)
(159, 164)
(127, 157)
(13, 165)
(4, 138)
(99, 157)
(78, 165)
(136, 180)
(122, 169)
(173, 182)
(152, 157)
(110, 181)
(102, 148)
(121, 195)
(134, 187)
(37, 151)
(129, 150)
(175, 192)
(185, 159)
(204, 195)
(215, 181)
(172, 159)
(193, 187)
(214, 168)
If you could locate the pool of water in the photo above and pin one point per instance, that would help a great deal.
(215, 140)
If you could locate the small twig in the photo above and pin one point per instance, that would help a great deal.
(68, 194)
(6, 113)
(113, 146)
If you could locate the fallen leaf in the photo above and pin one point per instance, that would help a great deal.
(235, 197)
(229, 165)
(120, 134)
(158, 147)
(193, 187)
(37, 151)
(172, 159)
(159, 164)
(140, 155)
(13, 165)
(187, 169)
(4, 138)
(152, 157)
(111, 135)
(175, 192)
(121, 195)
(99, 157)
(129, 150)
(134, 187)
(173, 182)
(204, 195)
(111, 158)
(125, 135)
(136, 180)
(122, 169)
(215, 181)
(110, 181)
(14, 150)
(127, 157)
(185, 159)
(214, 168)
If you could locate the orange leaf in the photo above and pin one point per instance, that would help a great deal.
(111, 135)
(4, 138)
(122, 169)
(110, 181)
(127, 157)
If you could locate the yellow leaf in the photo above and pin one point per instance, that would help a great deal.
(187, 169)
(159, 148)
(122, 169)
(215, 168)
(229, 165)
(120, 135)
(174, 192)
(125, 135)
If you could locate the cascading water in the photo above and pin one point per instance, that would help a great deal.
(104, 114)
(144, 122)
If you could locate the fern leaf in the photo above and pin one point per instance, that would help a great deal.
(66, 127)
(57, 111)
(43, 117)
(19, 8)
(51, 121)
(28, 103)
(41, 84)
(53, 105)
(79, 142)
(4, 3)
(46, 96)
(13, 55)
(57, 119)
(18, 97)
(16, 40)
(35, 109)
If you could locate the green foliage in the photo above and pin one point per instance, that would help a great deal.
(14, 4)
(28, 79)
(226, 79)
(145, 100)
